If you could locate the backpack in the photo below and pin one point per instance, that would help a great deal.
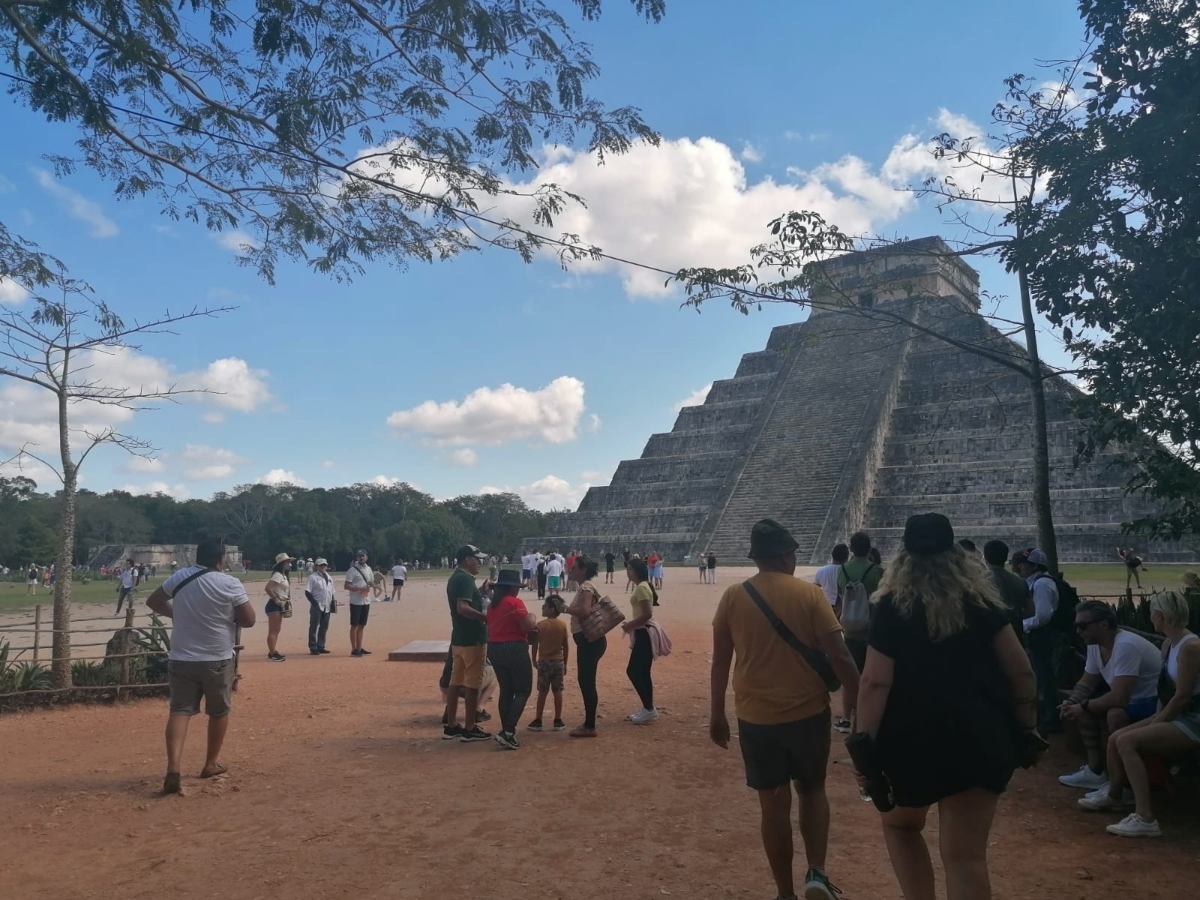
(1068, 598)
(856, 603)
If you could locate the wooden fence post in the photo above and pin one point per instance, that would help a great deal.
(126, 645)
(37, 631)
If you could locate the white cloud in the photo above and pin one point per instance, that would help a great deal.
(11, 292)
(178, 491)
(282, 476)
(234, 385)
(385, 481)
(592, 475)
(689, 202)
(77, 206)
(695, 398)
(548, 492)
(142, 464)
(594, 423)
(214, 417)
(492, 416)
(750, 153)
(236, 240)
(464, 457)
(200, 462)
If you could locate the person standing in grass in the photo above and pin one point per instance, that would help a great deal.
(551, 651)
(127, 587)
(206, 607)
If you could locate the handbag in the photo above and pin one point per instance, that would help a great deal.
(817, 661)
(604, 617)
(285, 609)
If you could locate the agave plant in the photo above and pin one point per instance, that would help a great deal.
(93, 673)
(30, 676)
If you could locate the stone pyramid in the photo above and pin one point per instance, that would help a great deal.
(852, 419)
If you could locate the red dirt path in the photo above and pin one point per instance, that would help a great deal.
(340, 786)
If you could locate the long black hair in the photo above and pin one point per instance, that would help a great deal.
(590, 567)
(641, 572)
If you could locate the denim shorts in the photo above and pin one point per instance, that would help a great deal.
(1141, 709)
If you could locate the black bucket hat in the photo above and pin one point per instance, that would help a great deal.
(769, 538)
(509, 578)
(927, 534)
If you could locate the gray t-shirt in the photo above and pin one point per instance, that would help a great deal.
(204, 628)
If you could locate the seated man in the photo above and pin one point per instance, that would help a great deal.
(1129, 664)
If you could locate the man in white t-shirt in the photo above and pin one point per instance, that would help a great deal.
(128, 583)
(206, 607)
(826, 577)
(399, 576)
(359, 579)
(1128, 665)
(554, 571)
(528, 562)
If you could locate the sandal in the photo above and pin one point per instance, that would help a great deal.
(582, 732)
(221, 769)
(172, 784)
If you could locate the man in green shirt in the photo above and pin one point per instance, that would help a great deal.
(468, 645)
(858, 570)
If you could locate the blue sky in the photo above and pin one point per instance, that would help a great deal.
(399, 375)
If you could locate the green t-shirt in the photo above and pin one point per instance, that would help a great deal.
(857, 570)
(465, 632)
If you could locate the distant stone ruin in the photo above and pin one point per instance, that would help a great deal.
(161, 555)
(853, 420)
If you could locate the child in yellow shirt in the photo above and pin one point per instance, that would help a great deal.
(550, 652)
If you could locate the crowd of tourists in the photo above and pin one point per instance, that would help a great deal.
(943, 657)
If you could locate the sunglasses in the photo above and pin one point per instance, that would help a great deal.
(1082, 626)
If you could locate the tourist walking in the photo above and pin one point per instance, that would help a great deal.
(641, 654)
(551, 651)
(279, 603)
(826, 577)
(1171, 732)
(206, 607)
(587, 653)
(778, 628)
(539, 572)
(1011, 587)
(554, 573)
(358, 584)
(1041, 637)
(858, 578)
(126, 586)
(399, 576)
(1133, 562)
(31, 583)
(468, 645)
(509, 623)
(610, 560)
(711, 562)
(945, 692)
(321, 604)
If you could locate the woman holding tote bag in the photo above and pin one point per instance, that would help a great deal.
(587, 652)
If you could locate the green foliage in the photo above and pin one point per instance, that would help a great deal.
(94, 673)
(1113, 245)
(335, 133)
(25, 676)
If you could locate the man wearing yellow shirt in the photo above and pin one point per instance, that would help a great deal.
(782, 703)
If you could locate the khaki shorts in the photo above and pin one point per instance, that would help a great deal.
(468, 666)
(189, 681)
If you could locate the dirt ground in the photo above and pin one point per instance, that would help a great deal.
(339, 785)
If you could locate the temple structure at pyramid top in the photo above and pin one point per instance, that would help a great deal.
(856, 419)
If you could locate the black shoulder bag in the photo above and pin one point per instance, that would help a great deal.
(189, 580)
(817, 661)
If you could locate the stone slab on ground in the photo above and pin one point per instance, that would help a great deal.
(420, 651)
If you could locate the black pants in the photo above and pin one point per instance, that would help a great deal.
(641, 659)
(514, 680)
(541, 583)
(587, 659)
(318, 627)
(447, 669)
(125, 592)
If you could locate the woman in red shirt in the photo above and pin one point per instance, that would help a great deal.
(509, 624)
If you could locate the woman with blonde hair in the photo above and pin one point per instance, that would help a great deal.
(948, 700)
(1173, 731)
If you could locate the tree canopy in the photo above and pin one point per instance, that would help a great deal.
(390, 522)
(338, 132)
(1112, 244)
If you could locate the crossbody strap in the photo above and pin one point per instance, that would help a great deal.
(189, 580)
(814, 658)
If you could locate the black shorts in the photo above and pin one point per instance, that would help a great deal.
(359, 613)
(791, 751)
(397, 582)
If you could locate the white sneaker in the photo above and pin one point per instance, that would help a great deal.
(841, 725)
(644, 717)
(1134, 825)
(1084, 778)
(1100, 799)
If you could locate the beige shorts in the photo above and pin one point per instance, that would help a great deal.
(467, 671)
(189, 681)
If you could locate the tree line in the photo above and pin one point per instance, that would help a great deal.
(389, 522)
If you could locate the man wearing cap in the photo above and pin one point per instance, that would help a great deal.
(319, 592)
(468, 645)
(782, 702)
(359, 579)
(1042, 640)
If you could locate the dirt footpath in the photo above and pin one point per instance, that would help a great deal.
(339, 785)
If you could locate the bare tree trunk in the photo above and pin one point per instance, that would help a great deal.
(65, 558)
(1043, 511)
